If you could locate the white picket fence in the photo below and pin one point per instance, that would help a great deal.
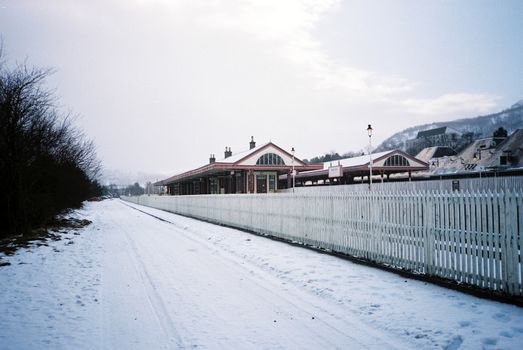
(470, 237)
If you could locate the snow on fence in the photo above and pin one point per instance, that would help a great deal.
(470, 237)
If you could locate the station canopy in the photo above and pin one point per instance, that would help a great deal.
(383, 163)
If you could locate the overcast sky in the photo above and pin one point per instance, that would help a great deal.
(161, 84)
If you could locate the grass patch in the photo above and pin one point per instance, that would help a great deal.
(41, 236)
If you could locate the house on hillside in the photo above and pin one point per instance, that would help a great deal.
(436, 155)
(483, 156)
(439, 135)
(255, 170)
(444, 136)
(431, 154)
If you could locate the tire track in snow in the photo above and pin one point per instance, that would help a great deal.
(305, 305)
(154, 299)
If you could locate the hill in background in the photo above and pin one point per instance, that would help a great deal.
(510, 119)
(483, 126)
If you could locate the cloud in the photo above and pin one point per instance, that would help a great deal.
(290, 27)
(168, 66)
(287, 30)
(452, 104)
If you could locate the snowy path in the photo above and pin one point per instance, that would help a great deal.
(132, 281)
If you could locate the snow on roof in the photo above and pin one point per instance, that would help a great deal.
(355, 161)
(481, 155)
(428, 153)
(237, 156)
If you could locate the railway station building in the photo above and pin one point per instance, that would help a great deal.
(255, 170)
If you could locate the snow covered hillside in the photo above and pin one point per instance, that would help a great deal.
(147, 279)
(482, 126)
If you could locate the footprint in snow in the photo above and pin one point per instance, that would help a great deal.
(454, 344)
(464, 324)
(506, 334)
(489, 341)
(501, 317)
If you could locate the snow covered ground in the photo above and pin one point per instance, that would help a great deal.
(132, 281)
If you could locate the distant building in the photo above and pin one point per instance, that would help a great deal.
(487, 155)
(255, 170)
(433, 154)
(439, 134)
(443, 136)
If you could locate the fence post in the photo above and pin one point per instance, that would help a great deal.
(510, 254)
(428, 232)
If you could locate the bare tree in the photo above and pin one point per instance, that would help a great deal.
(47, 165)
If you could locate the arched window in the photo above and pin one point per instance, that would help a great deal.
(396, 160)
(270, 159)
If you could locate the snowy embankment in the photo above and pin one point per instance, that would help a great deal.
(132, 281)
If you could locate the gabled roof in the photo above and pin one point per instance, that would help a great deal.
(243, 156)
(361, 163)
(245, 153)
(238, 161)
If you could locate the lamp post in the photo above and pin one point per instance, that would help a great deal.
(293, 172)
(369, 131)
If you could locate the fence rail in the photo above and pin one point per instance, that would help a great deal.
(472, 237)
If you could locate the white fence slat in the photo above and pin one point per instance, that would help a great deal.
(474, 229)
(497, 242)
(508, 231)
(519, 230)
(504, 243)
(486, 241)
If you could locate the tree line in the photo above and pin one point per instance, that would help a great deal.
(47, 165)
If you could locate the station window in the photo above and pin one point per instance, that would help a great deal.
(397, 160)
(270, 159)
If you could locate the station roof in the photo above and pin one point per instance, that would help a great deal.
(360, 165)
(355, 161)
(244, 160)
(236, 157)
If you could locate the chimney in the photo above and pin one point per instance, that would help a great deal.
(228, 152)
(252, 144)
(212, 159)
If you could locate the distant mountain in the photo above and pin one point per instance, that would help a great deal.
(482, 126)
(128, 177)
(517, 104)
